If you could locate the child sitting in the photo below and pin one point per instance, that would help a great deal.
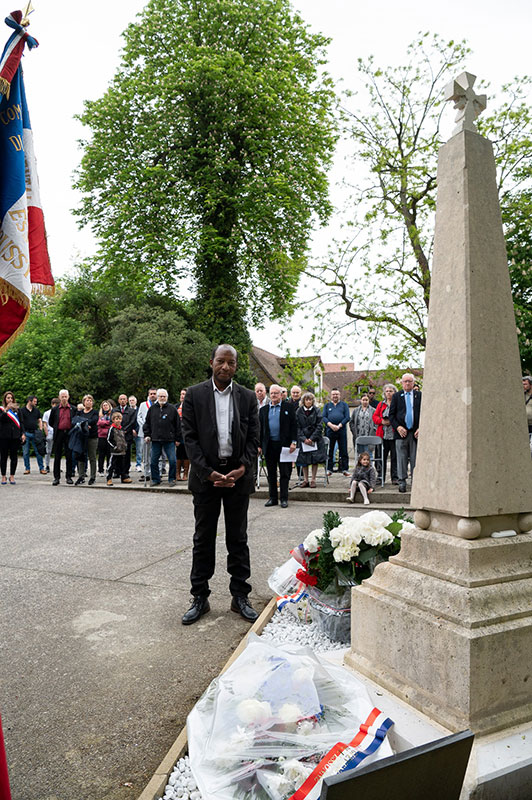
(364, 478)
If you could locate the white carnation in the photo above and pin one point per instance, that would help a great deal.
(345, 552)
(311, 542)
(290, 712)
(253, 711)
(375, 519)
(347, 534)
(378, 538)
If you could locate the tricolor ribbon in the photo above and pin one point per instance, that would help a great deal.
(291, 598)
(13, 416)
(343, 757)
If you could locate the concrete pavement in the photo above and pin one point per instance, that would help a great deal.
(97, 674)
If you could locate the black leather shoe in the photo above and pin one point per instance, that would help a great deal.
(270, 503)
(79, 481)
(242, 606)
(284, 503)
(69, 480)
(91, 481)
(55, 482)
(199, 607)
(402, 486)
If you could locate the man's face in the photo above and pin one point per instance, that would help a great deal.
(335, 397)
(284, 393)
(224, 366)
(526, 385)
(133, 402)
(63, 398)
(260, 391)
(152, 394)
(275, 395)
(407, 382)
(162, 397)
(34, 402)
(182, 395)
(295, 394)
(371, 394)
(122, 400)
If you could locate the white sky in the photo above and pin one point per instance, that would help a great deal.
(79, 52)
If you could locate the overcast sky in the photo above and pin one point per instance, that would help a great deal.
(79, 51)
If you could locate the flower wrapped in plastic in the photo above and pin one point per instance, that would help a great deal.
(261, 728)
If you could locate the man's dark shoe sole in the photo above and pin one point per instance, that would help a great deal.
(195, 613)
(271, 503)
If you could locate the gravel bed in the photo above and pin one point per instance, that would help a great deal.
(283, 627)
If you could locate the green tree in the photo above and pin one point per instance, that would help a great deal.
(517, 216)
(41, 360)
(379, 275)
(207, 157)
(146, 346)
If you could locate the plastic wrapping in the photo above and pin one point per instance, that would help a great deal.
(332, 613)
(283, 579)
(261, 728)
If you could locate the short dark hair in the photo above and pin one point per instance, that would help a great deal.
(31, 397)
(335, 389)
(226, 347)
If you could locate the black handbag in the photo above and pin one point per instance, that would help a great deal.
(39, 440)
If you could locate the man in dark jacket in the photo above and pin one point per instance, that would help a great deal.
(60, 420)
(221, 434)
(129, 425)
(278, 429)
(404, 414)
(162, 428)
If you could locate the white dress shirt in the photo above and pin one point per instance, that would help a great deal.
(223, 402)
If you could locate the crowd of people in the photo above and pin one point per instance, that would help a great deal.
(99, 441)
(94, 442)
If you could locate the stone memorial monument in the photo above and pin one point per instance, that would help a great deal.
(446, 625)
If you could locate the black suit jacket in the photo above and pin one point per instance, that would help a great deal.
(288, 425)
(397, 414)
(200, 435)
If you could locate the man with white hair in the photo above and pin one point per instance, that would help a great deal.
(278, 429)
(404, 414)
(163, 429)
(260, 394)
(295, 395)
(61, 421)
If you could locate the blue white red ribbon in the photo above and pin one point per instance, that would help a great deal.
(342, 757)
(291, 598)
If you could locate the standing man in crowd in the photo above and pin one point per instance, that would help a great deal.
(278, 429)
(260, 394)
(31, 419)
(220, 429)
(372, 397)
(142, 413)
(163, 429)
(49, 433)
(405, 408)
(61, 421)
(129, 426)
(295, 396)
(336, 418)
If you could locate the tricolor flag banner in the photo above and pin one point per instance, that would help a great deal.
(24, 260)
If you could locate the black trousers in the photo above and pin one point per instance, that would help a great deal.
(207, 507)
(285, 470)
(117, 466)
(9, 447)
(60, 444)
(388, 446)
(104, 452)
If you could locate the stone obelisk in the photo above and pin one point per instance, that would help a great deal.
(447, 624)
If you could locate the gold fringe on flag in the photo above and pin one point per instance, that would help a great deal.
(7, 290)
(42, 288)
(5, 87)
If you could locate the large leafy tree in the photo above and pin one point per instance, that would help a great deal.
(207, 157)
(378, 276)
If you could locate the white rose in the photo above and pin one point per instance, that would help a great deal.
(311, 542)
(252, 711)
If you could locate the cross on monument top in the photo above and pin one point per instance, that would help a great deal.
(469, 104)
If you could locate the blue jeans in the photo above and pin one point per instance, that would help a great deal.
(30, 437)
(156, 450)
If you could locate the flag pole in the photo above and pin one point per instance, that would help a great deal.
(25, 16)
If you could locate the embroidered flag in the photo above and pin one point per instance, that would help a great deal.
(24, 260)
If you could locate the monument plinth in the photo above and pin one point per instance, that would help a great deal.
(447, 624)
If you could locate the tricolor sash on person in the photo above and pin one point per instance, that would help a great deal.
(24, 260)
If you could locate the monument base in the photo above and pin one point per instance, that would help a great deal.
(446, 626)
(500, 766)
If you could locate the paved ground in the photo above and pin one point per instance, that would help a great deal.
(97, 674)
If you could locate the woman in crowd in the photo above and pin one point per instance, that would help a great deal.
(361, 424)
(11, 435)
(181, 453)
(310, 433)
(385, 431)
(90, 415)
(104, 423)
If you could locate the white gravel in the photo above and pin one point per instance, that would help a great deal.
(283, 627)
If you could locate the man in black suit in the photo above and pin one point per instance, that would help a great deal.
(220, 427)
(278, 429)
(404, 418)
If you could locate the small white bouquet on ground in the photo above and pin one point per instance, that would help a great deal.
(262, 729)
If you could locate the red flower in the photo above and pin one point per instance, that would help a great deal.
(304, 577)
